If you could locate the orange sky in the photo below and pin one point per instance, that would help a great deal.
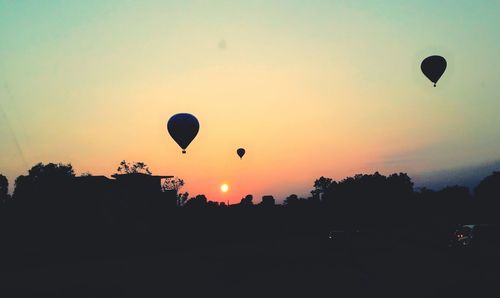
(329, 89)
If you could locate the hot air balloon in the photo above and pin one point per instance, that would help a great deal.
(240, 152)
(183, 128)
(433, 68)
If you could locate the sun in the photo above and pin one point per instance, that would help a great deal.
(224, 187)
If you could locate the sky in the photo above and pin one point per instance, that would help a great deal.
(309, 88)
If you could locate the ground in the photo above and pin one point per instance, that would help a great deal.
(294, 267)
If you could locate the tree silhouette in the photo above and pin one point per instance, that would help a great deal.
(173, 184)
(197, 202)
(488, 190)
(454, 194)
(399, 186)
(182, 199)
(42, 177)
(4, 189)
(294, 201)
(488, 196)
(212, 204)
(268, 201)
(291, 200)
(45, 199)
(247, 201)
(366, 186)
(368, 197)
(137, 167)
(321, 186)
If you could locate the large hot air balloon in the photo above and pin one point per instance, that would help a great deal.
(240, 152)
(433, 67)
(183, 128)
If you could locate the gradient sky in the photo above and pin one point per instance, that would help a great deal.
(309, 88)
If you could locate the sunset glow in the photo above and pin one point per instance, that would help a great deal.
(224, 187)
(307, 89)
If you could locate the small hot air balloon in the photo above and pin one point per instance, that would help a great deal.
(433, 68)
(183, 128)
(240, 152)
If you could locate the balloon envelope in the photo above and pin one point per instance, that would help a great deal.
(183, 128)
(433, 68)
(240, 152)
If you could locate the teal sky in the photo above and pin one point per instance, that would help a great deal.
(310, 87)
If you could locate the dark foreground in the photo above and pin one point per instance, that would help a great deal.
(293, 266)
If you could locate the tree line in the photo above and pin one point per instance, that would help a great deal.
(51, 208)
(357, 197)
